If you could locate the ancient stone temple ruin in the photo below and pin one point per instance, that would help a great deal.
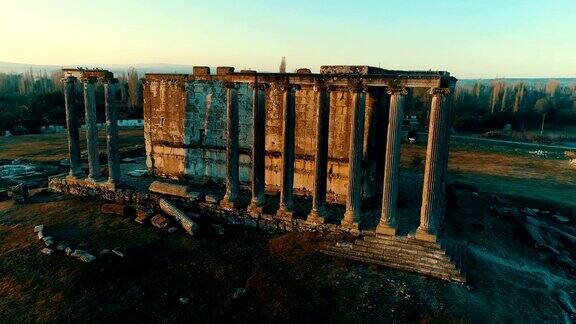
(290, 151)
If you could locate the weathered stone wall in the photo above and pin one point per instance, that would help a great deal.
(185, 130)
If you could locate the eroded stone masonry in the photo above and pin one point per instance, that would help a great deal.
(333, 135)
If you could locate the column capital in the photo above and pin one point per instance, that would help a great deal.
(259, 86)
(287, 86)
(439, 91)
(397, 90)
(322, 85)
(357, 85)
(230, 85)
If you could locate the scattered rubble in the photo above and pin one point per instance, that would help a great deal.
(118, 252)
(238, 292)
(20, 193)
(83, 255)
(48, 240)
(211, 199)
(68, 251)
(159, 221)
(141, 216)
(187, 224)
(47, 251)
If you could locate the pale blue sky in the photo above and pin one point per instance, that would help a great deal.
(484, 38)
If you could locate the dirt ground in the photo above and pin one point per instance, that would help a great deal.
(278, 277)
(285, 277)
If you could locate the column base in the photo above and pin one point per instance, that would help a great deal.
(350, 220)
(385, 229)
(112, 185)
(228, 204)
(255, 208)
(285, 212)
(93, 180)
(317, 216)
(424, 235)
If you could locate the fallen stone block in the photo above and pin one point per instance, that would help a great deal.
(38, 228)
(40, 235)
(118, 252)
(159, 221)
(560, 219)
(142, 216)
(62, 246)
(211, 199)
(117, 209)
(20, 193)
(47, 251)
(187, 224)
(172, 229)
(105, 252)
(238, 293)
(48, 240)
(83, 255)
(172, 189)
(68, 250)
(184, 300)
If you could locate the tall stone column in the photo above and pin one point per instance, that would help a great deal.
(91, 129)
(72, 125)
(318, 213)
(286, 209)
(434, 169)
(230, 200)
(258, 148)
(392, 163)
(112, 132)
(353, 198)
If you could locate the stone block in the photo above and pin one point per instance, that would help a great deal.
(224, 70)
(20, 194)
(172, 189)
(187, 224)
(201, 70)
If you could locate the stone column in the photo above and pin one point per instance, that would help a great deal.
(230, 200)
(351, 218)
(433, 171)
(286, 209)
(392, 164)
(91, 129)
(318, 213)
(258, 148)
(72, 125)
(112, 132)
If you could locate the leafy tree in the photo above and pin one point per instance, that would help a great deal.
(543, 106)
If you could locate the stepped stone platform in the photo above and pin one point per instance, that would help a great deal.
(445, 261)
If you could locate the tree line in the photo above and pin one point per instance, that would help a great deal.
(33, 99)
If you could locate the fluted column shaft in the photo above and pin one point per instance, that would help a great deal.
(389, 210)
(434, 168)
(353, 198)
(286, 208)
(318, 213)
(232, 147)
(72, 125)
(258, 148)
(112, 131)
(91, 129)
